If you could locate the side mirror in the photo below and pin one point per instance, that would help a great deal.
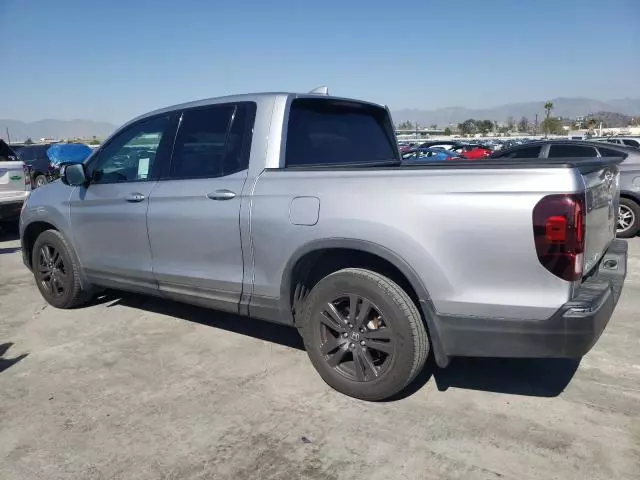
(74, 174)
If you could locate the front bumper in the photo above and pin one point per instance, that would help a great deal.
(570, 332)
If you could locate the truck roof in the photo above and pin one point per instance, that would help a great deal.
(247, 97)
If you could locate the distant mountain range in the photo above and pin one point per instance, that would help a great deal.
(563, 107)
(56, 129)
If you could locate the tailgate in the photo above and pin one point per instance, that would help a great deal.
(602, 195)
(12, 178)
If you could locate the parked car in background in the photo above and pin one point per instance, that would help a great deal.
(627, 141)
(35, 157)
(297, 209)
(15, 184)
(43, 160)
(629, 210)
(429, 154)
(471, 152)
(62, 153)
(404, 147)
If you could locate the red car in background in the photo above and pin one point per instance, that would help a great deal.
(466, 150)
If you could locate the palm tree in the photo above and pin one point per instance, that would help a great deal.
(548, 107)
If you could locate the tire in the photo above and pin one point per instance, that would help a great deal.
(631, 224)
(386, 334)
(66, 290)
(39, 181)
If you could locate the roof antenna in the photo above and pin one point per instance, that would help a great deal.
(323, 90)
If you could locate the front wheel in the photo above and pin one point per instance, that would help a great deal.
(363, 334)
(56, 272)
(628, 218)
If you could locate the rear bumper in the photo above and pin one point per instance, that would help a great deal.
(570, 332)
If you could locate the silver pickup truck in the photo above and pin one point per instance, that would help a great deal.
(296, 208)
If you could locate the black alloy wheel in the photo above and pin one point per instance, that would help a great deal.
(57, 272)
(363, 334)
(51, 271)
(355, 339)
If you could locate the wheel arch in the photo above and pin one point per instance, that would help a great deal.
(635, 196)
(30, 234)
(318, 258)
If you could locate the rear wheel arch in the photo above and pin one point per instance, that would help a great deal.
(314, 261)
(631, 196)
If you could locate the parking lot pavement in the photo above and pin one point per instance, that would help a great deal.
(139, 388)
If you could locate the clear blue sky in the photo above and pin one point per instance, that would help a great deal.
(113, 59)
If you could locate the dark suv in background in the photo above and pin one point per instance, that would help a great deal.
(35, 157)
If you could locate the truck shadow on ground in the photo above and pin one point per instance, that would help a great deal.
(8, 234)
(8, 362)
(529, 377)
(536, 377)
(271, 332)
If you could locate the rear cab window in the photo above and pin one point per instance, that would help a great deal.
(528, 152)
(571, 151)
(326, 132)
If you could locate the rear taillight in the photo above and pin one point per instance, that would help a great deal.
(558, 232)
(27, 175)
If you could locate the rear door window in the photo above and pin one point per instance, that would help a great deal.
(571, 151)
(323, 132)
(213, 141)
(631, 143)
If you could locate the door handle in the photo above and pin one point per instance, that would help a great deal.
(134, 197)
(223, 194)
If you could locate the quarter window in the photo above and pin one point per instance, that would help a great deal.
(607, 152)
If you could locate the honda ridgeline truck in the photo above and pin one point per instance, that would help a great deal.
(297, 209)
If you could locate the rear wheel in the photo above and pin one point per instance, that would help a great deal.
(363, 334)
(628, 218)
(56, 272)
